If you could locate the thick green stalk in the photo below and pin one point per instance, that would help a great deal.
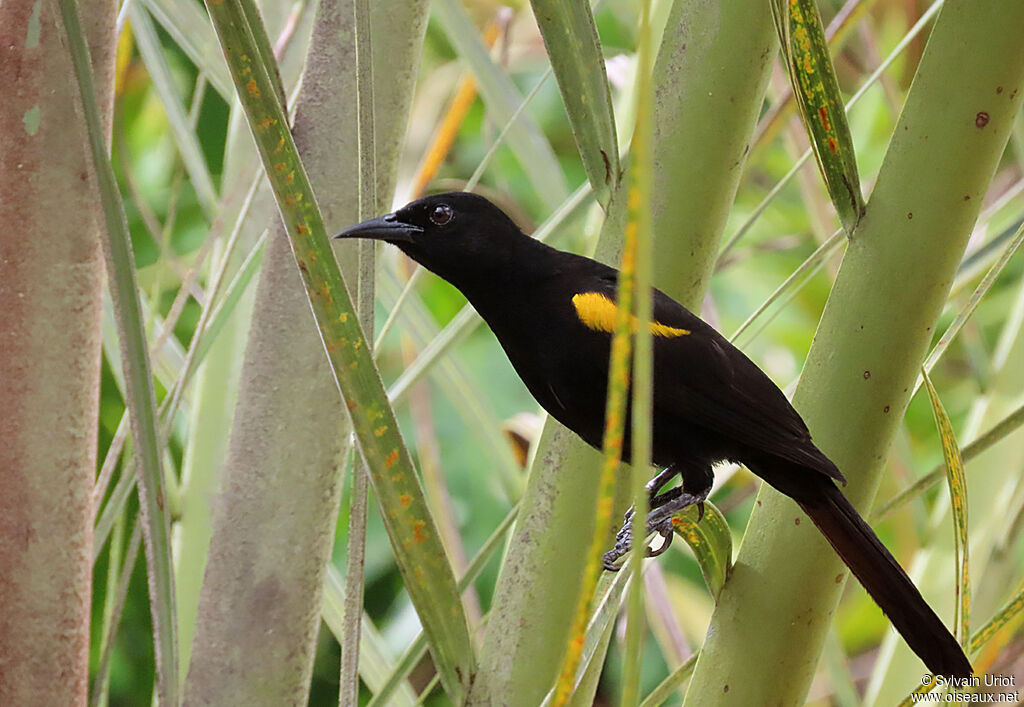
(51, 275)
(894, 278)
(246, 207)
(709, 81)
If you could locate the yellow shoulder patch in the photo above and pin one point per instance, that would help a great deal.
(598, 312)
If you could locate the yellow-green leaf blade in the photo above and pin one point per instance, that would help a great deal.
(140, 396)
(821, 107)
(711, 542)
(957, 480)
(999, 431)
(1010, 611)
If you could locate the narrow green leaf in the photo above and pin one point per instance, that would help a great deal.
(999, 431)
(374, 664)
(821, 106)
(261, 42)
(958, 499)
(359, 495)
(639, 237)
(926, 17)
(119, 580)
(839, 30)
(212, 321)
(415, 652)
(185, 137)
(592, 666)
(972, 303)
(614, 426)
(1005, 615)
(667, 687)
(225, 306)
(711, 542)
(570, 37)
(499, 139)
(420, 556)
(804, 272)
(140, 399)
(185, 21)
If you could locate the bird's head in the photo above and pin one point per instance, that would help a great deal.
(455, 235)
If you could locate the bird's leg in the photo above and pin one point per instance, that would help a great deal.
(696, 486)
(698, 480)
(658, 482)
(623, 538)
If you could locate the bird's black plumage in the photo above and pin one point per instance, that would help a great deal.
(552, 311)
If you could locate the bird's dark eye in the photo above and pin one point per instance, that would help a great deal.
(441, 214)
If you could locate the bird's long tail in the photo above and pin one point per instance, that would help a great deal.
(882, 577)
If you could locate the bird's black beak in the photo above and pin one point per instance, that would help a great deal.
(386, 228)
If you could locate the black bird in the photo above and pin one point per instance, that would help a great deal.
(553, 313)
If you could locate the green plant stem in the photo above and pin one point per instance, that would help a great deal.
(359, 498)
(642, 378)
(138, 378)
(122, 574)
(101, 682)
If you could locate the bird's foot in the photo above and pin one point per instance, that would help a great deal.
(624, 541)
(659, 521)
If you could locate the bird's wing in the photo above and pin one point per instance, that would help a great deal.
(701, 378)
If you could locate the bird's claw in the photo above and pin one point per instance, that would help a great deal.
(666, 533)
(624, 540)
(659, 521)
